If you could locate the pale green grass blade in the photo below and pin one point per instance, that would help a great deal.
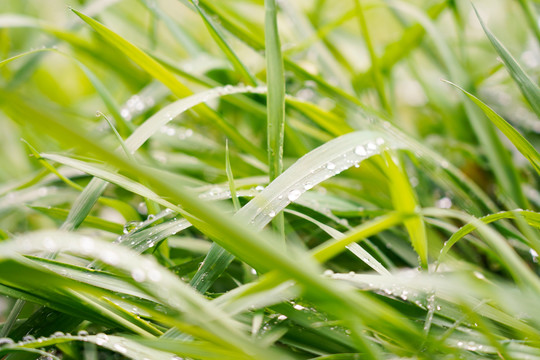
(178, 296)
(154, 123)
(353, 247)
(31, 52)
(528, 88)
(230, 178)
(318, 165)
(129, 348)
(159, 72)
(90, 221)
(524, 147)
(111, 177)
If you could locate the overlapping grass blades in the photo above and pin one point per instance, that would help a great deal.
(395, 243)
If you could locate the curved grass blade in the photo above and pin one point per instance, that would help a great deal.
(528, 88)
(318, 165)
(521, 273)
(532, 218)
(90, 221)
(159, 72)
(524, 147)
(255, 248)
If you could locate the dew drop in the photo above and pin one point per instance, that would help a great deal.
(120, 348)
(154, 275)
(82, 333)
(534, 255)
(259, 188)
(28, 338)
(294, 194)
(272, 214)
(6, 341)
(109, 257)
(101, 339)
(444, 203)
(50, 244)
(138, 275)
(298, 307)
(330, 166)
(282, 317)
(360, 150)
(371, 146)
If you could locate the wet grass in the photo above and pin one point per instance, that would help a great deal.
(269, 180)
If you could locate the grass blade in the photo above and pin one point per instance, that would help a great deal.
(524, 147)
(528, 88)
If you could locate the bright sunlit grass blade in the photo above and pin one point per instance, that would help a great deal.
(524, 147)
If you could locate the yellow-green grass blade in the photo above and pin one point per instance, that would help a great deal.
(404, 200)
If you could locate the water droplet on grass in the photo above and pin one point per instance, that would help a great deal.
(360, 150)
(138, 275)
(120, 348)
(330, 166)
(101, 339)
(294, 194)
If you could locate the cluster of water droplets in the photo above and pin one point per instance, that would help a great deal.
(293, 192)
(136, 105)
(141, 236)
(180, 133)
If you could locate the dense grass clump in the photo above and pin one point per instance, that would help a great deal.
(262, 179)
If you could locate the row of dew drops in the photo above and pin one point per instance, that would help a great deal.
(119, 345)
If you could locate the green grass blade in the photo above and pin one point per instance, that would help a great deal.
(225, 47)
(91, 221)
(404, 200)
(524, 147)
(528, 88)
(375, 66)
(275, 79)
(159, 72)
(257, 249)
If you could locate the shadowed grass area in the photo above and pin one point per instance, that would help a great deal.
(251, 179)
